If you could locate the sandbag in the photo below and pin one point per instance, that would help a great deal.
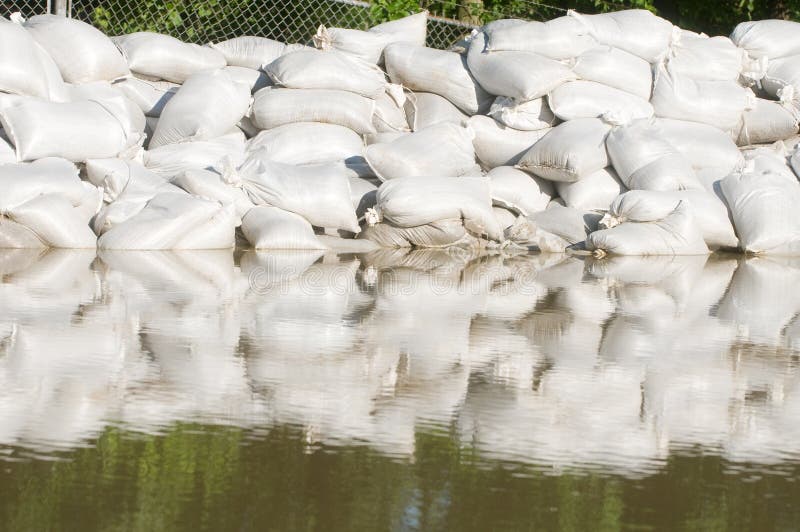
(764, 210)
(390, 114)
(437, 71)
(709, 212)
(569, 151)
(21, 69)
(150, 96)
(509, 73)
(782, 80)
(216, 186)
(444, 149)
(417, 201)
(717, 103)
(173, 159)
(676, 234)
(615, 68)
(532, 115)
(289, 144)
(7, 152)
(205, 107)
(363, 194)
(438, 234)
(560, 38)
(273, 107)
(705, 58)
(795, 162)
(254, 79)
(315, 69)
(557, 228)
(52, 219)
(589, 99)
(595, 191)
(318, 193)
(645, 161)
(499, 145)
(267, 227)
(768, 38)
(702, 145)
(174, 221)
(249, 51)
(518, 191)
(75, 130)
(636, 31)
(163, 57)
(424, 109)
(82, 52)
(766, 123)
(369, 45)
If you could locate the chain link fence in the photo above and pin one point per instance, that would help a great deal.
(203, 21)
(28, 8)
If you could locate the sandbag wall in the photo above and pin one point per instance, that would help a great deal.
(619, 133)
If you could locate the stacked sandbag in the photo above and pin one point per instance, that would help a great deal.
(45, 204)
(25, 68)
(160, 57)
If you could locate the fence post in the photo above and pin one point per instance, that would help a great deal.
(62, 8)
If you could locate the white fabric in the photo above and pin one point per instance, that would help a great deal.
(443, 149)
(173, 159)
(254, 79)
(249, 51)
(532, 115)
(150, 96)
(267, 227)
(616, 68)
(589, 99)
(273, 107)
(163, 57)
(206, 106)
(595, 191)
(82, 52)
(22, 70)
(636, 31)
(704, 146)
(768, 38)
(308, 143)
(519, 191)
(560, 38)
(390, 113)
(767, 122)
(569, 151)
(706, 58)
(212, 185)
(437, 71)
(424, 109)
(499, 145)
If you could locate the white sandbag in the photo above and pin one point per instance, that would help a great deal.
(595, 191)
(519, 191)
(289, 144)
(766, 123)
(438, 234)
(390, 114)
(254, 79)
(795, 161)
(163, 57)
(267, 227)
(437, 71)
(709, 212)
(589, 99)
(76, 130)
(509, 73)
(173, 159)
(315, 69)
(768, 38)
(443, 149)
(560, 38)
(782, 80)
(636, 31)
(558, 227)
(7, 153)
(384, 136)
(424, 109)
(249, 51)
(21, 69)
(21, 182)
(215, 186)
(764, 210)
(363, 193)
(82, 52)
(318, 193)
(416, 201)
(676, 234)
(499, 145)
(532, 115)
(645, 161)
(615, 68)
(369, 45)
(569, 151)
(54, 221)
(150, 96)
(704, 146)
(717, 103)
(273, 107)
(174, 221)
(505, 217)
(205, 107)
(705, 58)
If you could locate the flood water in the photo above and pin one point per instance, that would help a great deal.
(397, 390)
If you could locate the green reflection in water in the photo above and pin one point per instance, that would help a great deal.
(213, 478)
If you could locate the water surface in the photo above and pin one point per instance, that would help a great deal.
(397, 390)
